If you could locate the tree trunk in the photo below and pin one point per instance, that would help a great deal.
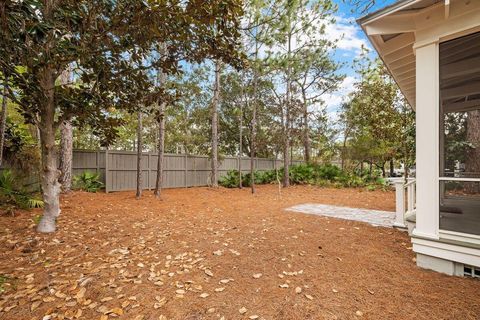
(3, 121)
(215, 104)
(240, 143)
(161, 151)
(472, 156)
(49, 179)
(306, 130)
(286, 142)
(66, 144)
(392, 167)
(66, 155)
(139, 156)
(254, 128)
(161, 76)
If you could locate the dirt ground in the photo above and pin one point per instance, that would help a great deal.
(220, 254)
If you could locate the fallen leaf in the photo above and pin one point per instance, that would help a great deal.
(117, 311)
(257, 275)
(208, 272)
(35, 305)
(242, 310)
(81, 293)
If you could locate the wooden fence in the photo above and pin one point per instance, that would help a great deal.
(117, 169)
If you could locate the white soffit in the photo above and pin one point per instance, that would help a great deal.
(392, 32)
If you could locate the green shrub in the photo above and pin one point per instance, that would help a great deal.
(301, 174)
(232, 179)
(265, 177)
(328, 171)
(87, 181)
(13, 195)
(324, 175)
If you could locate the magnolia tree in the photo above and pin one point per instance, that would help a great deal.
(108, 45)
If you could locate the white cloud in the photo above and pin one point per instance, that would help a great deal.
(347, 34)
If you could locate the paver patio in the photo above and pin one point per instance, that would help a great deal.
(373, 217)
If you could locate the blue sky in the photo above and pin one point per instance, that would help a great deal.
(351, 39)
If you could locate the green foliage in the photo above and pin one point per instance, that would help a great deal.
(378, 124)
(323, 175)
(37, 219)
(232, 179)
(87, 181)
(302, 174)
(20, 148)
(13, 195)
(3, 280)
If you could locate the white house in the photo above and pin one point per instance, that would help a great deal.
(432, 50)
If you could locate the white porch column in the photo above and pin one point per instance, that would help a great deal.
(427, 123)
(399, 204)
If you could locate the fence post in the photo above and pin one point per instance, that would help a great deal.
(186, 170)
(195, 170)
(107, 172)
(399, 204)
(148, 171)
(97, 161)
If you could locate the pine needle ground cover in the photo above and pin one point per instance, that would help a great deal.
(202, 253)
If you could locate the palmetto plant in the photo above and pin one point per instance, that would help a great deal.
(88, 181)
(13, 195)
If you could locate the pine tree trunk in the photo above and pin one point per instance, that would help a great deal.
(66, 144)
(139, 156)
(49, 179)
(286, 142)
(254, 131)
(215, 104)
(240, 144)
(392, 167)
(472, 156)
(306, 129)
(3, 121)
(66, 154)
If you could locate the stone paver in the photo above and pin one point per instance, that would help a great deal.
(373, 217)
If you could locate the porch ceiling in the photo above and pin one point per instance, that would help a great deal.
(393, 30)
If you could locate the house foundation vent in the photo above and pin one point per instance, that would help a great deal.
(472, 272)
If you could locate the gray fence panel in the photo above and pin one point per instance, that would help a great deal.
(117, 169)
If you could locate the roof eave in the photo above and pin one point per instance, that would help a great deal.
(399, 5)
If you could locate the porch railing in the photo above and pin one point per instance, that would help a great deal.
(405, 200)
